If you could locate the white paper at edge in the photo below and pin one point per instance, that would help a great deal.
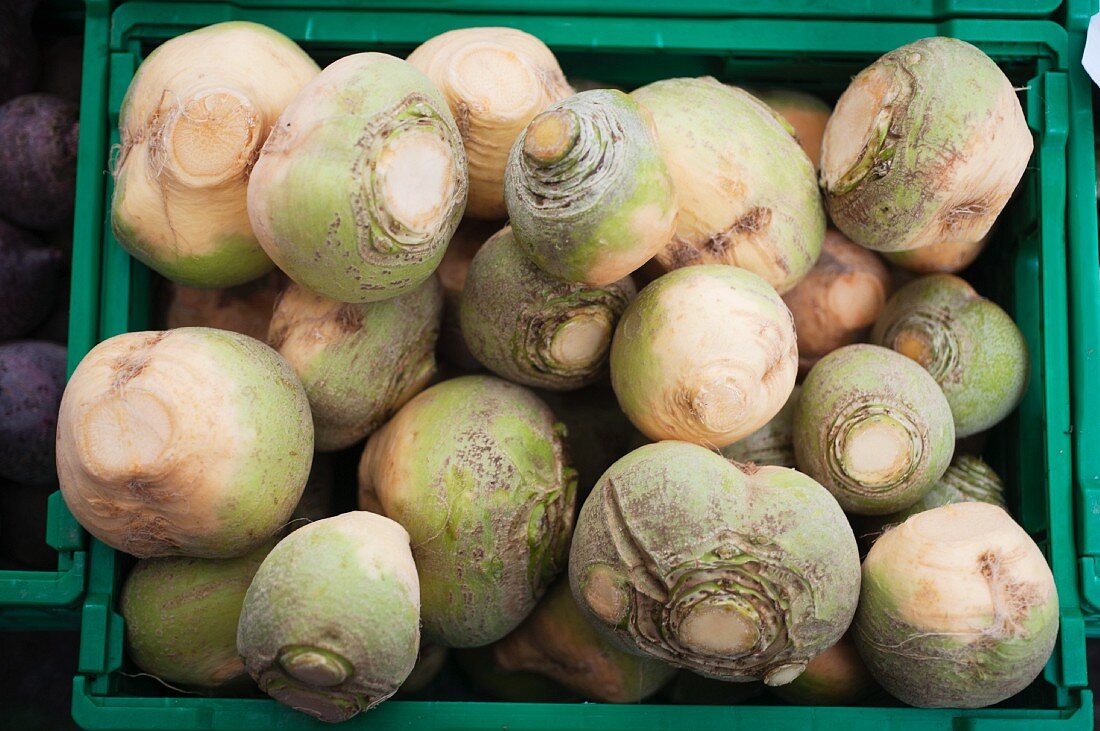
(1091, 57)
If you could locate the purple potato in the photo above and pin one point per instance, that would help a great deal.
(38, 160)
(61, 64)
(32, 379)
(29, 275)
(18, 51)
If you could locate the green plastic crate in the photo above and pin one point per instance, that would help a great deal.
(1024, 269)
(43, 600)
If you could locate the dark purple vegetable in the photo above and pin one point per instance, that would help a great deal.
(61, 64)
(29, 274)
(32, 379)
(38, 134)
(23, 510)
(18, 51)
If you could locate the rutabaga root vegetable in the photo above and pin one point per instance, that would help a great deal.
(32, 379)
(806, 113)
(189, 442)
(495, 80)
(771, 444)
(473, 468)
(330, 625)
(839, 300)
(358, 362)
(29, 275)
(737, 573)
(38, 161)
(589, 196)
(244, 309)
(705, 354)
(192, 124)
(181, 617)
(746, 191)
(958, 608)
(429, 662)
(469, 237)
(967, 479)
(557, 640)
(946, 257)
(836, 677)
(967, 343)
(480, 669)
(531, 328)
(873, 429)
(925, 146)
(361, 184)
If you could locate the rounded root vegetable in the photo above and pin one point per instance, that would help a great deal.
(737, 573)
(454, 266)
(474, 469)
(38, 161)
(704, 354)
(531, 328)
(495, 80)
(807, 114)
(357, 191)
(589, 196)
(330, 624)
(191, 126)
(836, 677)
(947, 257)
(30, 272)
(839, 300)
(746, 191)
(188, 442)
(358, 362)
(245, 308)
(873, 429)
(967, 479)
(771, 444)
(557, 641)
(925, 146)
(969, 345)
(958, 608)
(32, 379)
(181, 617)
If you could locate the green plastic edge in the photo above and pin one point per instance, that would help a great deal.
(101, 643)
(48, 600)
(834, 9)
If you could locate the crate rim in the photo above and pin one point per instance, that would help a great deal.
(1052, 44)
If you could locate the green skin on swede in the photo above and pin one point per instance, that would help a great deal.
(771, 444)
(589, 197)
(530, 328)
(185, 442)
(358, 362)
(557, 641)
(734, 572)
(474, 467)
(181, 617)
(925, 146)
(874, 428)
(958, 608)
(356, 194)
(967, 343)
(305, 633)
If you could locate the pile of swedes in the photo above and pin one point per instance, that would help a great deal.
(717, 499)
(39, 104)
